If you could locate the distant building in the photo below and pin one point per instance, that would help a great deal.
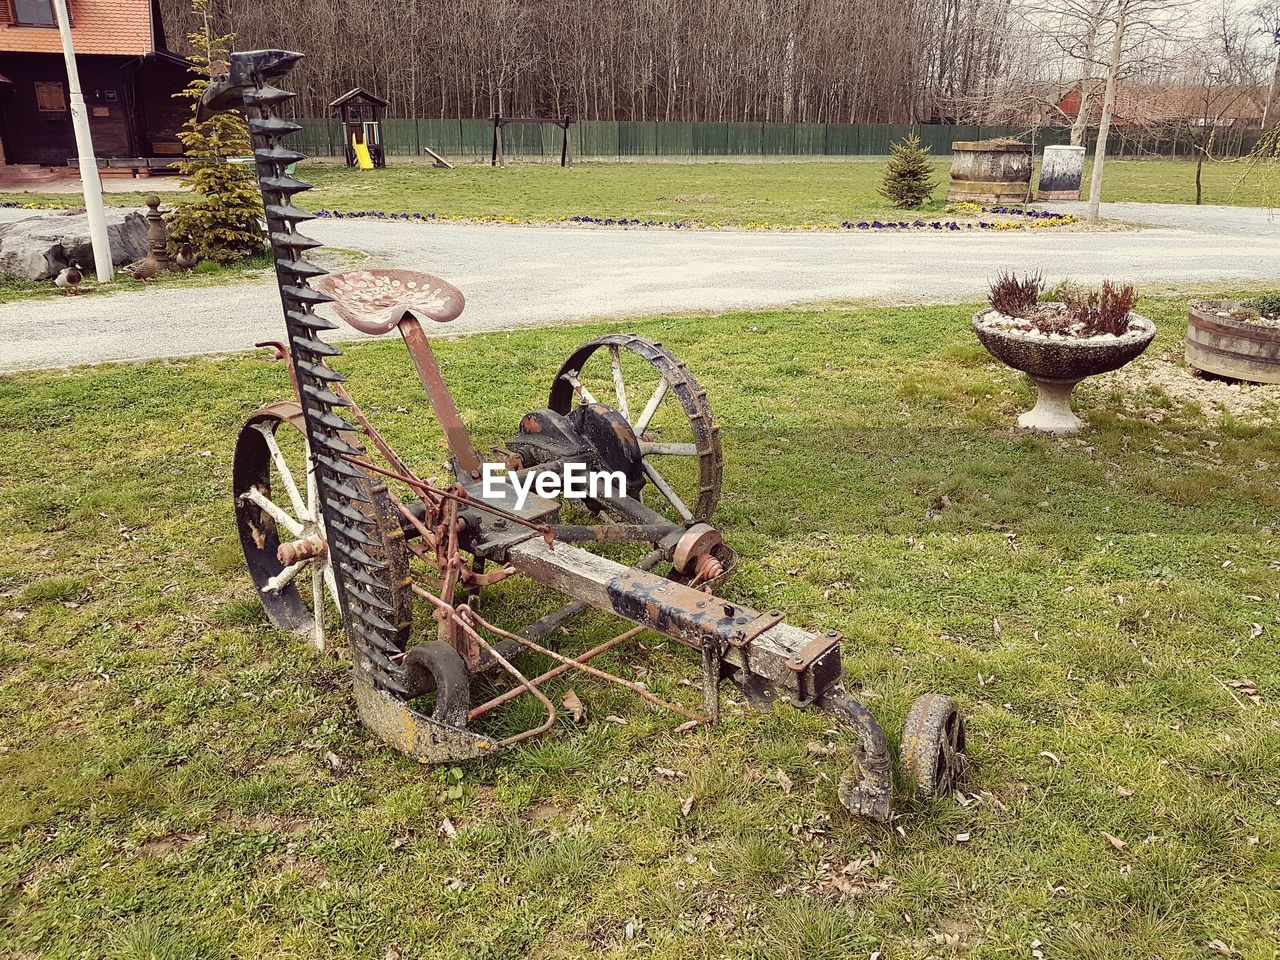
(126, 73)
(1164, 104)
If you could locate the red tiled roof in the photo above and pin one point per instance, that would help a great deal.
(1156, 103)
(121, 27)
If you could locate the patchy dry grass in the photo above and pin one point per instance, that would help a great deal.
(168, 790)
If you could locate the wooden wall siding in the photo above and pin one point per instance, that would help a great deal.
(35, 136)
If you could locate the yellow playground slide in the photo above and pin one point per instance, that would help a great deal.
(363, 160)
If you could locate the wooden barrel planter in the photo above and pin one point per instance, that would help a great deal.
(990, 171)
(1220, 344)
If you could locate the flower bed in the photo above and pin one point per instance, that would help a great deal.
(1034, 219)
(1039, 220)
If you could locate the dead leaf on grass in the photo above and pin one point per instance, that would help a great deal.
(1217, 946)
(614, 718)
(576, 710)
(1050, 756)
(1247, 687)
(1114, 841)
(687, 726)
(784, 782)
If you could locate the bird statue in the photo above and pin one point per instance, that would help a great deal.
(186, 258)
(68, 278)
(143, 269)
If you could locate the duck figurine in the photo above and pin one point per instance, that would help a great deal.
(69, 278)
(143, 269)
(186, 258)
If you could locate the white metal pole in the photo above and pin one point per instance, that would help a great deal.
(89, 177)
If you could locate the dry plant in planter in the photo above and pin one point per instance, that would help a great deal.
(1059, 344)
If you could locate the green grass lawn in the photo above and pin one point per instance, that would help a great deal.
(181, 781)
(204, 274)
(783, 194)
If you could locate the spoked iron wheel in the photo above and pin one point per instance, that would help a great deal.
(281, 527)
(933, 756)
(667, 410)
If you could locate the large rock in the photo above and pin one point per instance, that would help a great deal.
(37, 248)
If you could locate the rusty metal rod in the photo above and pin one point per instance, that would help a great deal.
(635, 688)
(556, 671)
(374, 436)
(463, 498)
(613, 532)
(454, 615)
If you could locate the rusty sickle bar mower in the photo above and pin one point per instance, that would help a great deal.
(338, 520)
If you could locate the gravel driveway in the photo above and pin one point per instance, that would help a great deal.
(524, 276)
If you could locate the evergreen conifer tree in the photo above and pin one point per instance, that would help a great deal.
(224, 218)
(908, 181)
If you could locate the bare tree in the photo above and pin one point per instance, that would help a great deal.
(1140, 31)
(899, 61)
(1266, 17)
(1075, 29)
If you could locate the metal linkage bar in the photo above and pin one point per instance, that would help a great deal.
(799, 663)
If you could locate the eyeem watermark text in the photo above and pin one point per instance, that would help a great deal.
(572, 481)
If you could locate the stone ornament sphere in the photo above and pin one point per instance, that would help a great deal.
(1056, 366)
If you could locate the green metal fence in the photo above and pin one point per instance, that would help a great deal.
(621, 139)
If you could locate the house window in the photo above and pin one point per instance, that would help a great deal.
(50, 98)
(34, 13)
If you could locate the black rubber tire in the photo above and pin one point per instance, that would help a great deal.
(932, 756)
(434, 666)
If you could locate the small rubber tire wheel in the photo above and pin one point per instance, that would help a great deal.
(932, 756)
(434, 666)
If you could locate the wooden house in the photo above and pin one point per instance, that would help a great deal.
(127, 75)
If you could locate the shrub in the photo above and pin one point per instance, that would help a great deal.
(1267, 305)
(1014, 297)
(908, 180)
(1101, 311)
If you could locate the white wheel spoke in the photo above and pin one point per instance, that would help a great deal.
(317, 609)
(313, 492)
(285, 577)
(332, 583)
(286, 475)
(669, 449)
(619, 388)
(256, 496)
(666, 490)
(650, 408)
(579, 389)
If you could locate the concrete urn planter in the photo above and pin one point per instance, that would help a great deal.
(1061, 172)
(1057, 364)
